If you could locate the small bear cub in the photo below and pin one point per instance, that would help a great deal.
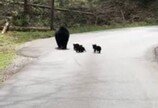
(96, 48)
(79, 48)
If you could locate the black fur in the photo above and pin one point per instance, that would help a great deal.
(76, 46)
(62, 37)
(79, 48)
(97, 49)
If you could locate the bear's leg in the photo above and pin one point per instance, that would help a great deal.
(94, 50)
(65, 44)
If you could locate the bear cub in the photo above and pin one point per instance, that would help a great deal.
(96, 48)
(79, 48)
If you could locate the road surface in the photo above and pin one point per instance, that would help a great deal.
(124, 75)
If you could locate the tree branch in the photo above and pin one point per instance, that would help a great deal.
(16, 28)
(48, 7)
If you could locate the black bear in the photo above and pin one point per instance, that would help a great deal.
(76, 46)
(96, 48)
(79, 48)
(62, 37)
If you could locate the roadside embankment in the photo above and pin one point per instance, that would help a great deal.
(18, 63)
(25, 54)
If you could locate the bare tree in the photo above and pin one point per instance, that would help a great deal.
(25, 7)
(52, 15)
(6, 26)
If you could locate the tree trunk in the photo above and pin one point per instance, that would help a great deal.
(123, 16)
(16, 28)
(52, 15)
(6, 27)
(25, 7)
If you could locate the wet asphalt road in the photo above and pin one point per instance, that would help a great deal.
(124, 75)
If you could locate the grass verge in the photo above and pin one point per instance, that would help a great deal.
(5, 59)
(88, 28)
(10, 40)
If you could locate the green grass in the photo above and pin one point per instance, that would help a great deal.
(21, 37)
(5, 59)
(7, 51)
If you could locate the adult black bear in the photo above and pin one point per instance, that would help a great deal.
(62, 37)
